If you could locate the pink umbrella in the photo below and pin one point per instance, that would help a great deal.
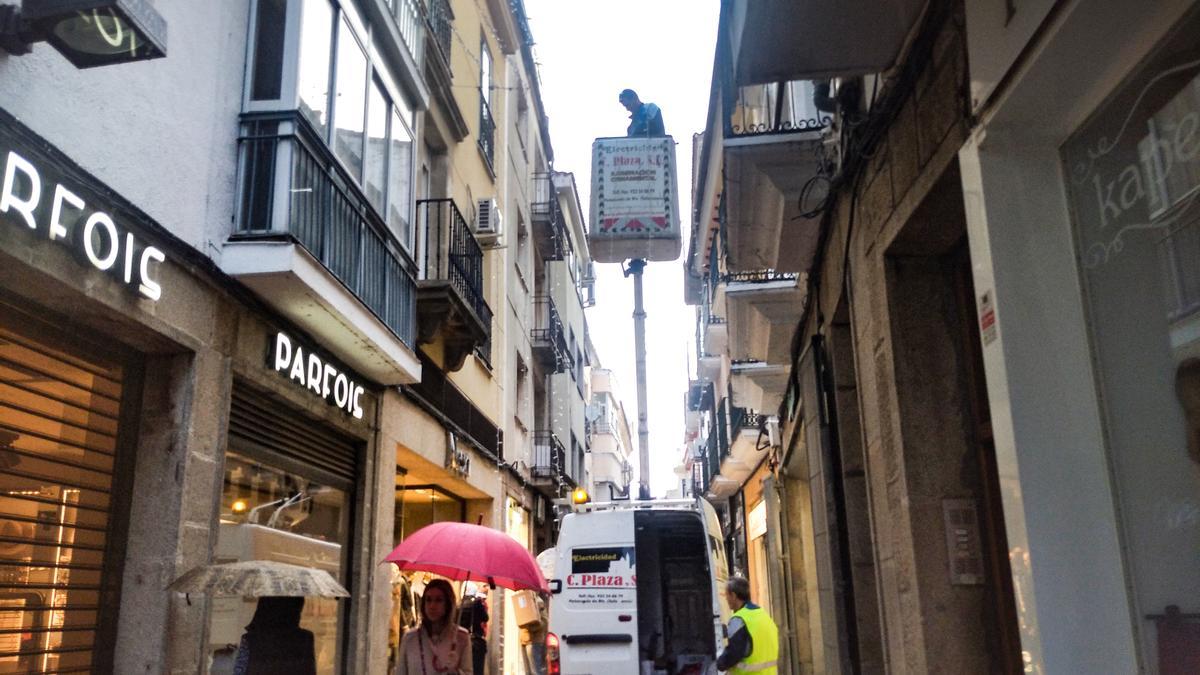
(462, 552)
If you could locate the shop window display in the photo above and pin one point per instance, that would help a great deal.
(268, 513)
(1133, 170)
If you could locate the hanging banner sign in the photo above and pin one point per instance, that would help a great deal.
(635, 210)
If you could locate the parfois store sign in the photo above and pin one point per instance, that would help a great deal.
(308, 370)
(37, 194)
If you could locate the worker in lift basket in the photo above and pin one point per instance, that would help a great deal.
(753, 645)
(645, 119)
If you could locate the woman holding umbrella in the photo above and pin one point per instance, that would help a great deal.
(462, 552)
(438, 645)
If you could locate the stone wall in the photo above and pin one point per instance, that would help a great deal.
(892, 498)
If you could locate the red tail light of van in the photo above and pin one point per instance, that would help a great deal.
(553, 667)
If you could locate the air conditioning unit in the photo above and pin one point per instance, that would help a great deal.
(488, 222)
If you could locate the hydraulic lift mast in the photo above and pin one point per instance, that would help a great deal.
(639, 354)
(635, 219)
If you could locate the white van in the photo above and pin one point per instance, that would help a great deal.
(638, 588)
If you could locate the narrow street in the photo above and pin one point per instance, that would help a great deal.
(638, 337)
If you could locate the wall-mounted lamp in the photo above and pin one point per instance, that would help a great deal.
(88, 33)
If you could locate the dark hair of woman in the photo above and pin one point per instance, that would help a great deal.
(449, 619)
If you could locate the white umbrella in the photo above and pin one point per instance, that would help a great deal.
(259, 578)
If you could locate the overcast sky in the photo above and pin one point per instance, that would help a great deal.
(588, 52)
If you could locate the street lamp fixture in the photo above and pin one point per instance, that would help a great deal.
(88, 33)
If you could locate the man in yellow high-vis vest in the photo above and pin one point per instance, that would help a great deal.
(753, 638)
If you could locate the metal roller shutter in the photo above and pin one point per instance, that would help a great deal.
(59, 418)
(266, 425)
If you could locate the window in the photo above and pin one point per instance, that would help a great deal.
(1137, 230)
(400, 179)
(269, 513)
(350, 101)
(485, 73)
(316, 31)
(487, 124)
(366, 123)
(521, 259)
(287, 496)
(266, 82)
(522, 117)
(522, 394)
(377, 142)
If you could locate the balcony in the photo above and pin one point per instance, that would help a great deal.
(758, 384)
(775, 113)
(410, 24)
(309, 244)
(714, 331)
(774, 40)
(439, 26)
(549, 229)
(736, 449)
(711, 368)
(548, 339)
(450, 298)
(763, 307)
(772, 151)
(440, 21)
(549, 465)
(697, 400)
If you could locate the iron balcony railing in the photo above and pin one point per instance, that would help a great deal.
(744, 418)
(712, 457)
(714, 265)
(548, 334)
(603, 426)
(410, 23)
(549, 222)
(487, 129)
(449, 252)
(699, 478)
(549, 456)
(776, 108)
(292, 187)
(544, 206)
(441, 26)
(760, 276)
(699, 395)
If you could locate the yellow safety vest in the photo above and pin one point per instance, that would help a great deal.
(764, 643)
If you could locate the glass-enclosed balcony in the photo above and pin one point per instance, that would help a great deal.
(310, 242)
